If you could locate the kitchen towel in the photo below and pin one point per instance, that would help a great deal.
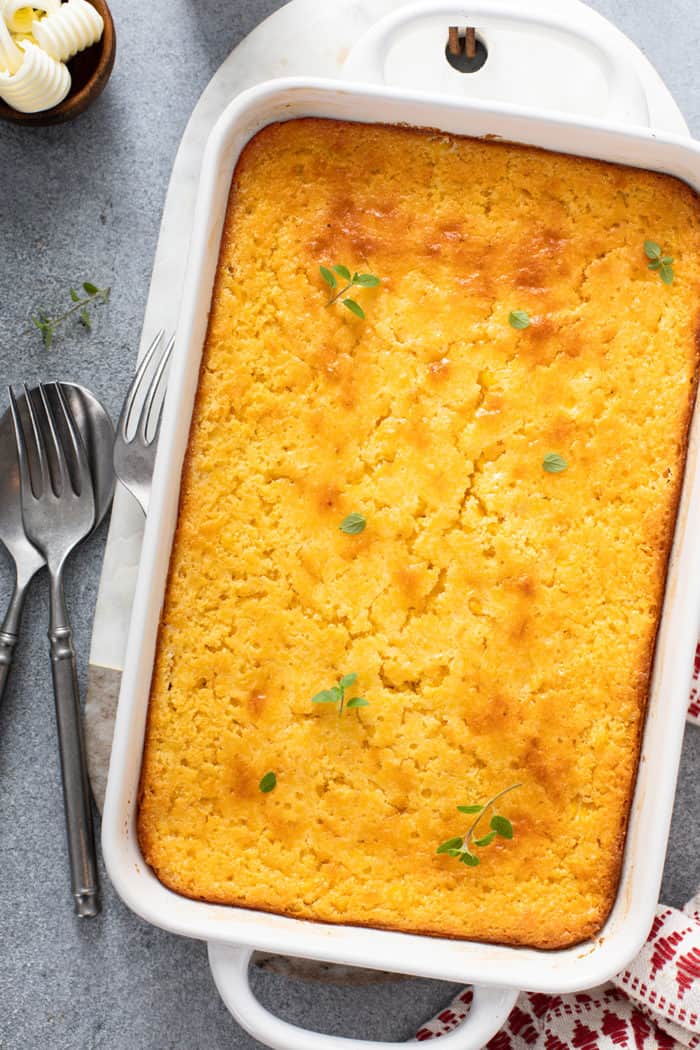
(653, 1005)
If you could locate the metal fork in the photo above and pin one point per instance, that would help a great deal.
(58, 509)
(135, 454)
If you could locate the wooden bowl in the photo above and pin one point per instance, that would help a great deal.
(90, 70)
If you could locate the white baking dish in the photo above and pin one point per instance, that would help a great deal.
(233, 933)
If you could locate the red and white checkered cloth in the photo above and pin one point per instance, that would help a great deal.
(653, 1005)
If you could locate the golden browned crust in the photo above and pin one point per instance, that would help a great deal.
(502, 620)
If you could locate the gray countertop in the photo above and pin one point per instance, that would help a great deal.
(83, 202)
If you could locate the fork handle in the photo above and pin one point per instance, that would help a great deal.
(7, 648)
(76, 790)
(9, 631)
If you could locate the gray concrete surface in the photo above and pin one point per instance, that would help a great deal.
(84, 202)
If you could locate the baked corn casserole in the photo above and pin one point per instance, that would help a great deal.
(455, 495)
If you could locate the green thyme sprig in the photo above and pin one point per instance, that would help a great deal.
(356, 280)
(461, 848)
(659, 261)
(81, 304)
(336, 695)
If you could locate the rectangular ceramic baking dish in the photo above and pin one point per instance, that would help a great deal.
(234, 932)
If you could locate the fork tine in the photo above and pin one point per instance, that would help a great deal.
(22, 457)
(136, 384)
(39, 445)
(64, 478)
(76, 440)
(151, 393)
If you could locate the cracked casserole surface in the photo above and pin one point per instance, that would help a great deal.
(501, 619)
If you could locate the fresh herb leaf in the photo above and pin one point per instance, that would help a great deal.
(326, 696)
(353, 524)
(470, 859)
(357, 280)
(48, 325)
(660, 262)
(553, 463)
(519, 319)
(354, 308)
(501, 826)
(268, 783)
(328, 276)
(451, 844)
(336, 694)
(486, 840)
(460, 848)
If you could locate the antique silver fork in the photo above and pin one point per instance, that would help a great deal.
(137, 439)
(58, 509)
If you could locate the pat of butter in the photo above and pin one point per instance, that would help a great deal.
(22, 22)
(19, 37)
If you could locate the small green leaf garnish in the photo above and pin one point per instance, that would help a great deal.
(328, 277)
(353, 524)
(336, 694)
(519, 319)
(357, 280)
(268, 783)
(460, 848)
(486, 840)
(450, 845)
(501, 826)
(357, 701)
(354, 308)
(470, 859)
(326, 696)
(666, 271)
(47, 325)
(659, 261)
(553, 463)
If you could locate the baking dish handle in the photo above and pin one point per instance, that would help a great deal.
(229, 966)
(627, 101)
